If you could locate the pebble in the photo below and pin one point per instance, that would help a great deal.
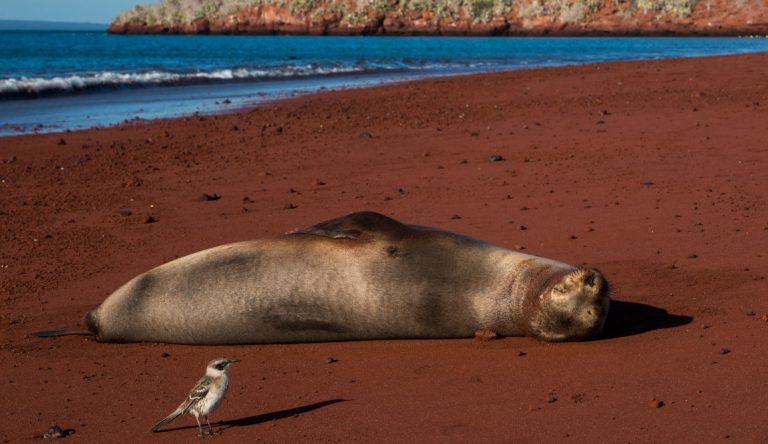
(55, 431)
(656, 403)
(205, 197)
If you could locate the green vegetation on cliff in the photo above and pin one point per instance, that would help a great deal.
(177, 12)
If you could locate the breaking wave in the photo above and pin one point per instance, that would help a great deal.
(31, 87)
(41, 86)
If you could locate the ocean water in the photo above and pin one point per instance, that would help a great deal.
(54, 81)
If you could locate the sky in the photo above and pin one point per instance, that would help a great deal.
(93, 11)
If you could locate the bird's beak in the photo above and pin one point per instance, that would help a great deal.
(233, 360)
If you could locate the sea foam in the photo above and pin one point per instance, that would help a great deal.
(35, 86)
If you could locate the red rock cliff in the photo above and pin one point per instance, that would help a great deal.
(446, 17)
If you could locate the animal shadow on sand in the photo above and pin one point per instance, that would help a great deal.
(633, 318)
(264, 417)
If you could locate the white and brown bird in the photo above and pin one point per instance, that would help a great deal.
(204, 397)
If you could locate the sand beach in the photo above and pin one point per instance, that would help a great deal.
(653, 171)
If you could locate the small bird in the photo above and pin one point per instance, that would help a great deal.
(204, 397)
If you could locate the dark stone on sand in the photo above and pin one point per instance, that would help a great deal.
(656, 403)
(205, 197)
(55, 431)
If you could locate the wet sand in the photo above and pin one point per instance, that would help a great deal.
(655, 172)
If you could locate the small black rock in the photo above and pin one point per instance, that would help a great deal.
(205, 197)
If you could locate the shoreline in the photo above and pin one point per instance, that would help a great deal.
(746, 32)
(60, 112)
(652, 171)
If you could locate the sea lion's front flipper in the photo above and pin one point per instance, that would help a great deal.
(356, 226)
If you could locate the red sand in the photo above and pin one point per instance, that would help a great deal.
(654, 172)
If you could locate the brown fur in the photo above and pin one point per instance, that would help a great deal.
(362, 276)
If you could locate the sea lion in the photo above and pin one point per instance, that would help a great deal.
(362, 276)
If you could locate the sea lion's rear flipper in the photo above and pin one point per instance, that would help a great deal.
(62, 332)
(356, 226)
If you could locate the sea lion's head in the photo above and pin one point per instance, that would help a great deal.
(573, 306)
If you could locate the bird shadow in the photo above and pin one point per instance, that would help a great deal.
(264, 417)
(633, 318)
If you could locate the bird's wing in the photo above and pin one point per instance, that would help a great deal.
(197, 393)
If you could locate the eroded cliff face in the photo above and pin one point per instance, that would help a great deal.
(450, 17)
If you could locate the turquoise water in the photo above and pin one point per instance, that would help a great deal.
(53, 81)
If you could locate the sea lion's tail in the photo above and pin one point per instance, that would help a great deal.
(91, 328)
(62, 332)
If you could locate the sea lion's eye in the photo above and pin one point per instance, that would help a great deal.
(590, 280)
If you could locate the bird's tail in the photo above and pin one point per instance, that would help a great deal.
(168, 419)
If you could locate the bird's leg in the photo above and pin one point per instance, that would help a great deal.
(199, 428)
(210, 430)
